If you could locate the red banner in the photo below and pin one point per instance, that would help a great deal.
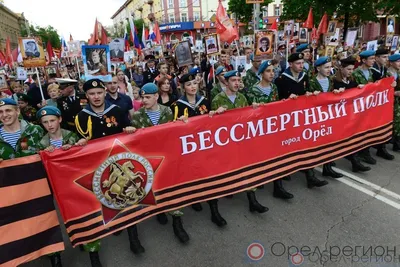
(98, 187)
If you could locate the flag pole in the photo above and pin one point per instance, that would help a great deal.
(77, 66)
(40, 84)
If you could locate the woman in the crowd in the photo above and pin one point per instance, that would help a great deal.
(137, 75)
(124, 87)
(166, 98)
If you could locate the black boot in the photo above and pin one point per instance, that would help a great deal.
(328, 171)
(134, 241)
(280, 192)
(95, 259)
(260, 187)
(117, 233)
(312, 180)
(162, 218)
(366, 156)
(55, 260)
(253, 203)
(197, 207)
(396, 143)
(179, 231)
(215, 216)
(382, 152)
(287, 178)
(356, 164)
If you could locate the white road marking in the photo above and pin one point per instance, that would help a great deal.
(349, 179)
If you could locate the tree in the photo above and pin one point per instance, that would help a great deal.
(243, 11)
(48, 34)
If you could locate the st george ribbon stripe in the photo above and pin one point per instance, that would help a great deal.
(209, 192)
(27, 207)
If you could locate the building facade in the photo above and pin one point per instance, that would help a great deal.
(10, 26)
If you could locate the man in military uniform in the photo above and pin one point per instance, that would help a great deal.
(152, 114)
(380, 71)
(293, 83)
(306, 49)
(19, 138)
(99, 119)
(394, 71)
(28, 112)
(266, 92)
(221, 82)
(251, 77)
(151, 73)
(230, 99)
(322, 83)
(69, 104)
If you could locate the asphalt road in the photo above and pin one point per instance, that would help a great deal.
(353, 221)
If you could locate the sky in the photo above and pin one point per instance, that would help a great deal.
(76, 17)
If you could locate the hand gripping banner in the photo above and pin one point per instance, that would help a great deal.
(120, 180)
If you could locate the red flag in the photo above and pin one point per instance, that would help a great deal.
(224, 25)
(274, 26)
(104, 39)
(323, 25)
(157, 32)
(9, 58)
(70, 38)
(2, 59)
(50, 51)
(314, 34)
(309, 23)
(95, 35)
(146, 33)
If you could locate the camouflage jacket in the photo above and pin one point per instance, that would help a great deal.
(27, 144)
(359, 77)
(216, 90)
(222, 100)
(250, 79)
(316, 86)
(68, 138)
(256, 95)
(310, 70)
(141, 120)
(29, 114)
(396, 120)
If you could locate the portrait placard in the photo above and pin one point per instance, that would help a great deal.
(96, 62)
(212, 44)
(183, 54)
(32, 52)
(264, 44)
(74, 49)
(117, 47)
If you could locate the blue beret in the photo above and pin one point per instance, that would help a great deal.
(252, 56)
(93, 83)
(302, 47)
(367, 53)
(7, 101)
(219, 70)
(321, 61)
(263, 66)
(48, 110)
(194, 71)
(394, 57)
(232, 73)
(149, 89)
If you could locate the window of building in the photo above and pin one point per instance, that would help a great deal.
(277, 10)
(162, 4)
(182, 3)
(265, 13)
(171, 18)
(195, 2)
(183, 17)
(170, 3)
(196, 16)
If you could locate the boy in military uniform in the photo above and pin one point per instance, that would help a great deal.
(56, 137)
(265, 92)
(152, 114)
(221, 83)
(293, 83)
(28, 112)
(306, 50)
(322, 83)
(99, 119)
(19, 138)
(251, 77)
(231, 99)
(394, 71)
(69, 104)
(380, 71)
(189, 105)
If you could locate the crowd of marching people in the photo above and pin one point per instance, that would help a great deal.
(152, 92)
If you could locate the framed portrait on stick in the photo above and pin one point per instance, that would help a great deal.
(117, 48)
(32, 52)
(212, 44)
(264, 45)
(51, 69)
(332, 26)
(303, 37)
(96, 62)
(183, 54)
(329, 51)
(395, 42)
(390, 24)
(389, 39)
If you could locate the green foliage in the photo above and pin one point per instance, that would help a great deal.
(47, 34)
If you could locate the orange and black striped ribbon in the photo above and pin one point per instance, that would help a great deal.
(29, 226)
(91, 227)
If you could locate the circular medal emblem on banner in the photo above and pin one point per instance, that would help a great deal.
(123, 180)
